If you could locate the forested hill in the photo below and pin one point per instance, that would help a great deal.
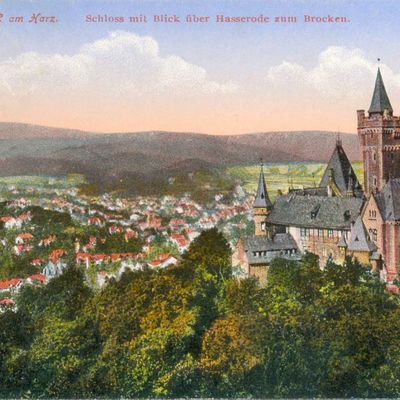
(35, 149)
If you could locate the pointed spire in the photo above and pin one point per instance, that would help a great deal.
(380, 100)
(262, 200)
(339, 170)
(338, 140)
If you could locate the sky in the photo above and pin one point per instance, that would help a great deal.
(209, 77)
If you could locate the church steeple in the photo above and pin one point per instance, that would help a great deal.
(380, 100)
(262, 199)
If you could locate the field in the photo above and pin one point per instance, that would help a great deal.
(22, 182)
(201, 185)
(283, 176)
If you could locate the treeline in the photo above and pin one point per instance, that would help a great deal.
(193, 330)
(201, 183)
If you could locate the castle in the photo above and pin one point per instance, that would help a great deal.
(338, 218)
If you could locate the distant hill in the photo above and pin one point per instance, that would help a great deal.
(111, 157)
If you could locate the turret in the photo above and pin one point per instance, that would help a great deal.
(261, 207)
(379, 137)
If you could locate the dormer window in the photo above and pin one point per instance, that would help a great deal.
(314, 211)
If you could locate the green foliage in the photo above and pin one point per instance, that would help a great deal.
(194, 330)
(43, 217)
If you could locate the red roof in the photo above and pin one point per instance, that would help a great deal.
(6, 302)
(82, 255)
(25, 235)
(177, 221)
(182, 242)
(38, 277)
(115, 256)
(163, 256)
(9, 283)
(177, 236)
(56, 254)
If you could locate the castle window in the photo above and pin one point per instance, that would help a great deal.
(374, 156)
(330, 233)
(302, 232)
(320, 232)
(375, 181)
(372, 214)
(374, 235)
(263, 226)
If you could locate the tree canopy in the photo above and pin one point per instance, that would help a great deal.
(195, 330)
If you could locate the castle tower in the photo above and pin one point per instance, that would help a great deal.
(261, 207)
(379, 136)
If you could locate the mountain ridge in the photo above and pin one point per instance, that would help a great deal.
(109, 157)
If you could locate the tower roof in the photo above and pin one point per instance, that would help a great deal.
(262, 200)
(380, 100)
(343, 174)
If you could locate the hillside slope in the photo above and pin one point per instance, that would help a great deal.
(31, 149)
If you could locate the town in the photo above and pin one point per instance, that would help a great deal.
(49, 225)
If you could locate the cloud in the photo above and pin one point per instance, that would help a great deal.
(121, 65)
(340, 72)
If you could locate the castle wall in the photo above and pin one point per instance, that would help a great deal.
(322, 242)
(361, 256)
(260, 272)
(391, 253)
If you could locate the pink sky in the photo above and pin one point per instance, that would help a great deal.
(124, 81)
